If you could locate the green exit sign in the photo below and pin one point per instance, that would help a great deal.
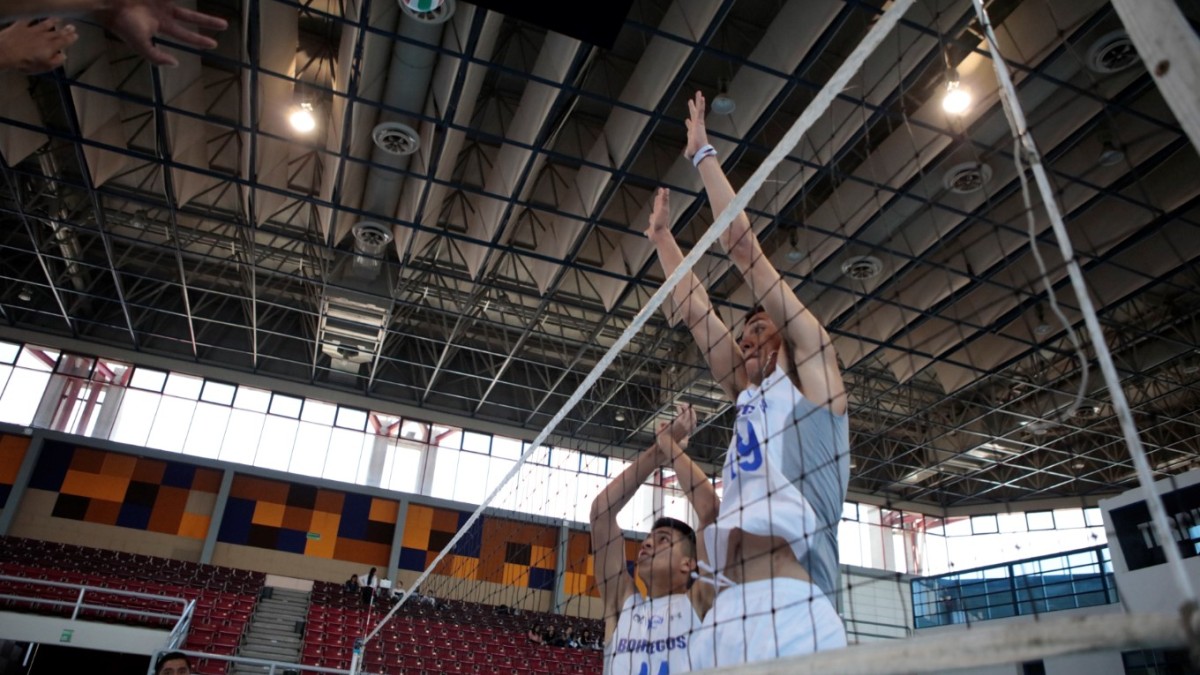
(66, 635)
(314, 535)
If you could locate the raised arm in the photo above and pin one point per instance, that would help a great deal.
(820, 378)
(712, 336)
(608, 542)
(692, 481)
(699, 492)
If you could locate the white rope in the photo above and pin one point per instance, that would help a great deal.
(1020, 130)
(741, 200)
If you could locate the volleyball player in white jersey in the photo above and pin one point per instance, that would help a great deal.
(650, 636)
(774, 545)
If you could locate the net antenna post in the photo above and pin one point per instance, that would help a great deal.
(1028, 148)
(1168, 45)
(817, 107)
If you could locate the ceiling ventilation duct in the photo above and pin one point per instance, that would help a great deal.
(357, 306)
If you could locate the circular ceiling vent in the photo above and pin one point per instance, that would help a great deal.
(396, 138)
(862, 267)
(371, 238)
(967, 177)
(1112, 53)
(428, 11)
(1039, 427)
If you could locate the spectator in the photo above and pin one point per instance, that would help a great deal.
(173, 663)
(536, 635)
(570, 639)
(136, 22)
(351, 585)
(367, 583)
(32, 47)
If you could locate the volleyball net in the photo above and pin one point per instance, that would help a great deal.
(1005, 284)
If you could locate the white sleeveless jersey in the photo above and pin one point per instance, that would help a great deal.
(761, 496)
(652, 636)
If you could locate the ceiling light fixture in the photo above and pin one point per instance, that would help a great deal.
(958, 98)
(302, 118)
(620, 416)
(1110, 154)
(723, 104)
(25, 295)
(794, 254)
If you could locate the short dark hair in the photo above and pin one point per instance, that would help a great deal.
(171, 656)
(754, 311)
(680, 527)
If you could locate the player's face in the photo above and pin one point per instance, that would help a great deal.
(175, 667)
(760, 342)
(660, 555)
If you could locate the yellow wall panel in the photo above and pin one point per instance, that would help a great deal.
(266, 513)
(418, 522)
(95, 486)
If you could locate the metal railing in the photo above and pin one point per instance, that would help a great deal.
(1081, 578)
(181, 619)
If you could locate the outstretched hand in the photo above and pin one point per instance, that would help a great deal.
(660, 214)
(675, 432)
(137, 22)
(697, 134)
(35, 47)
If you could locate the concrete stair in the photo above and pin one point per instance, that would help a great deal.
(275, 630)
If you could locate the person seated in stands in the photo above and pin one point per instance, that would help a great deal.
(173, 663)
(351, 585)
(570, 639)
(591, 641)
(552, 638)
(535, 635)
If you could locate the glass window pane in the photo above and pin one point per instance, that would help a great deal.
(241, 436)
(317, 412)
(171, 424)
(1068, 518)
(38, 358)
(506, 448)
(311, 449)
(22, 395)
(958, 527)
(565, 458)
(135, 417)
(150, 380)
(1040, 520)
(275, 445)
(984, 525)
(1093, 517)
(248, 398)
(218, 392)
(112, 372)
(345, 455)
(1012, 522)
(286, 406)
(405, 470)
(414, 431)
(588, 464)
(475, 442)
(351, 418)
(183, 386)
(8, 352)
(207, 430)
(447, 437)
(849, 511)
(75, 365)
